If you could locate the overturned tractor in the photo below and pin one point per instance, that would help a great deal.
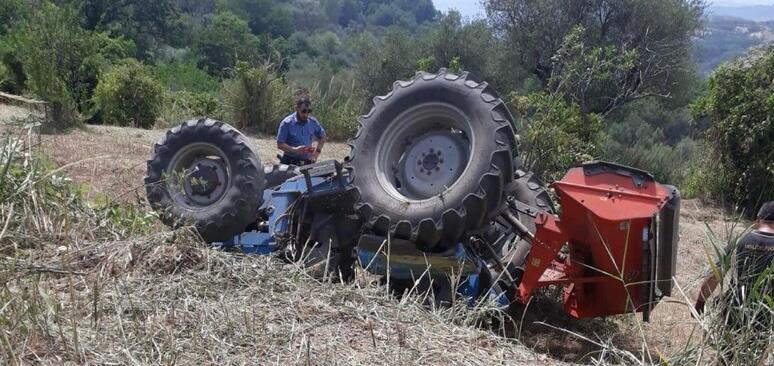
(432, 189)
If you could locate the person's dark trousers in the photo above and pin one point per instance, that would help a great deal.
(289, 160)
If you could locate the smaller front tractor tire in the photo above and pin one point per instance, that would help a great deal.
(204, 173)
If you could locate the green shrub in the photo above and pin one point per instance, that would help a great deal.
(256, 98)
(556, 135)
(185, 76)
(183, 105)
(128, 95)
(337, 108)
(739, 104)
(4, 74)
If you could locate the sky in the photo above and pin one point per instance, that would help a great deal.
(469, 8)
(473, 8)
(741, 2)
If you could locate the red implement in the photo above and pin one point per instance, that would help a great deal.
(618, 230)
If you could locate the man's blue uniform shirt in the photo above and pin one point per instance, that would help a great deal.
(297, 133)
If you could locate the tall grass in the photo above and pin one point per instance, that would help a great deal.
(336, 106)
(256, 98)
(739, 323)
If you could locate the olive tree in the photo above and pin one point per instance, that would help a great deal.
(643, 45)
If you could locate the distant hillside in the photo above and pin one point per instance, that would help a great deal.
(749, 12)
(727, 37)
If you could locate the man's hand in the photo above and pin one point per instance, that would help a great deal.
(315, 155)
(303, 149)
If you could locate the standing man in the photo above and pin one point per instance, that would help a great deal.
(296, 134)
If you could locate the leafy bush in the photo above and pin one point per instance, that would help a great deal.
(184, 75)
(128, 95)
(668, 164)
(3, 74)
(255, 97)
(557, 135)
(12, 76)
(183, 105)
(739, 104)
(378, 63)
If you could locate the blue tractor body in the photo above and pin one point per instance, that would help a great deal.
(322, 187)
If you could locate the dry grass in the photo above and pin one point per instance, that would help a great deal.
(167, 299)
(10, 112)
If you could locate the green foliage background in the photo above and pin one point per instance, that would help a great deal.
(739, 105)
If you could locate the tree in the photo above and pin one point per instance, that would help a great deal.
(264, 16)
(650, 41)
(224, 41)
(379, 63)
(469, 43)
(739, 103)
(557, 135)
(61, 60)
(148, 23)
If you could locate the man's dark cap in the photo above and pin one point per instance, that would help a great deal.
(767, 211)
(303, 101)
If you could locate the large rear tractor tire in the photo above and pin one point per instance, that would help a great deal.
(432, 157)
(204, 173)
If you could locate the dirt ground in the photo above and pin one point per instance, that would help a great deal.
(110, 161)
